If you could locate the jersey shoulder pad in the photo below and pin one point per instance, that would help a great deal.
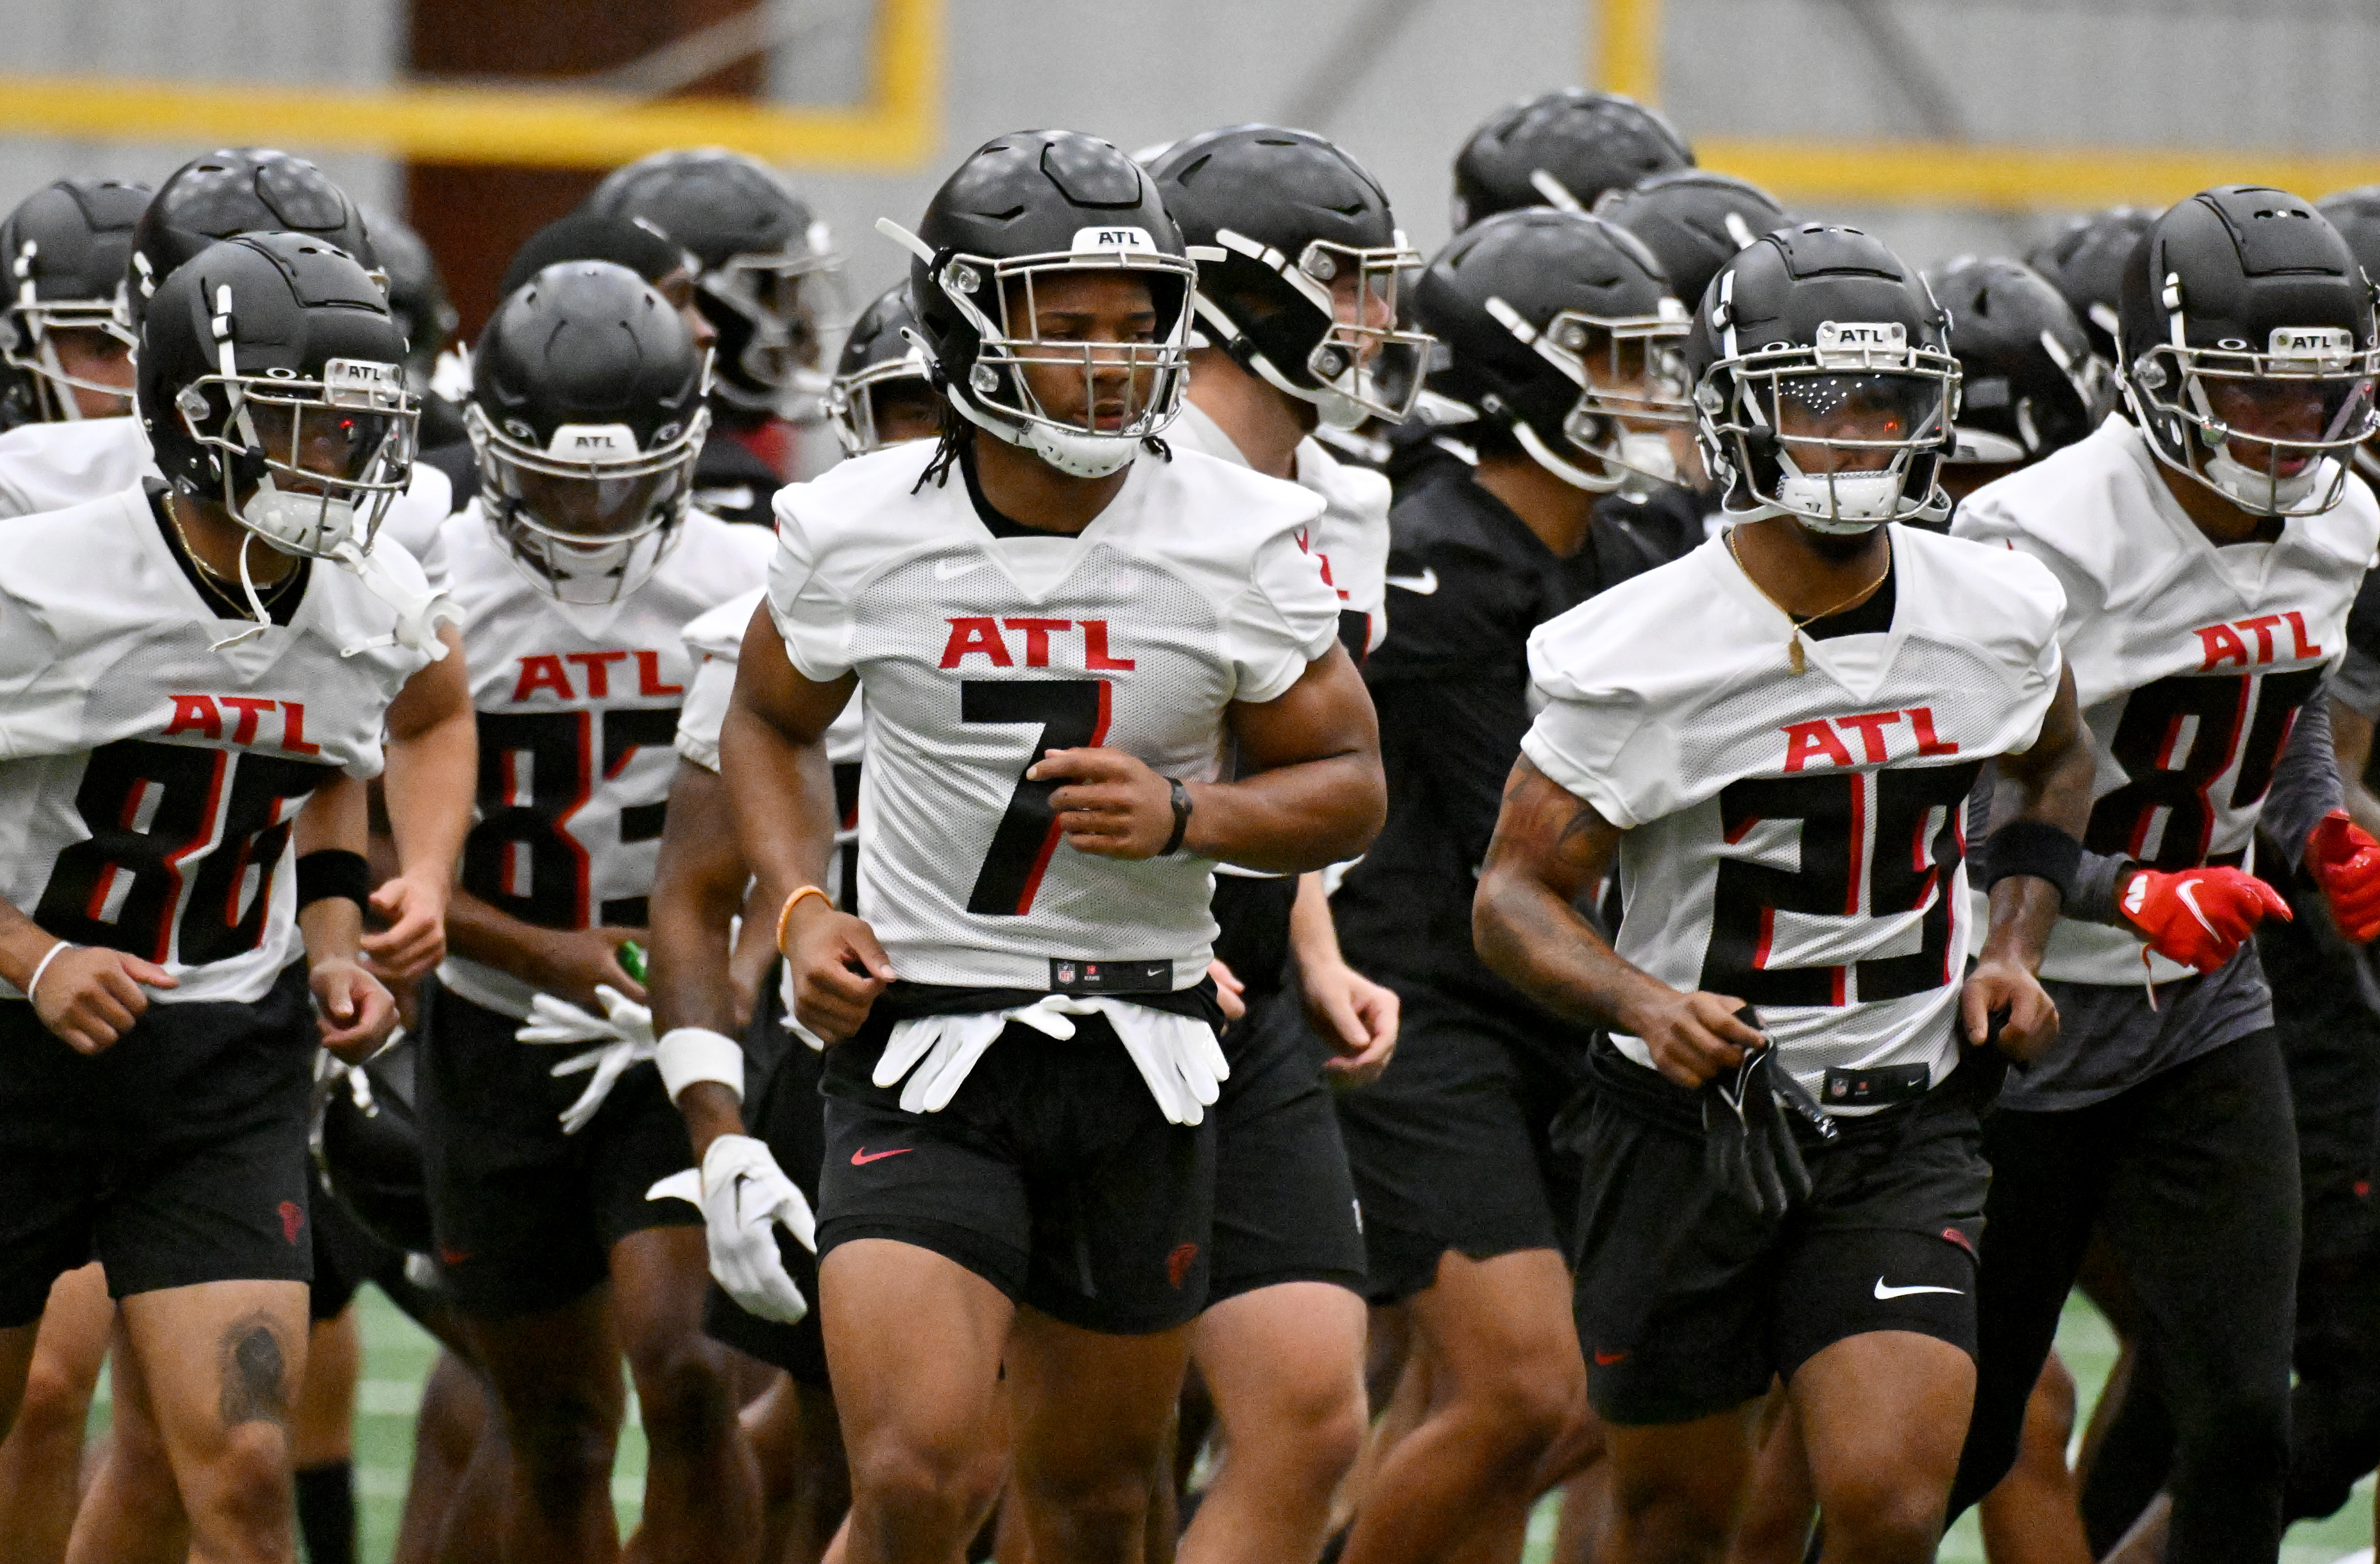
(1631, 639)
(1981, 591)
(2072, 509)
(1350, 490)
(1229, 500)
(48, 467)
(2349, 531)
(718, 559)
(863, 495)
(719, 632)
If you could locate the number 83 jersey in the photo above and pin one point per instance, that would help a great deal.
(2191, 662)
(578, 719)
(1798, 842)
(976, 654)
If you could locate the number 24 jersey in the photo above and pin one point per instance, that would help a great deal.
(2191, 662)
(1799, 841)
(976, 654)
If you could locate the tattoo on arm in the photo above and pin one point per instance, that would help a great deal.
(255, 1372)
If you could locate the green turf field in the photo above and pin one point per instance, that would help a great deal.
(397, 1355)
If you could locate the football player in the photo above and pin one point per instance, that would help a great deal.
(2029, 383)
(1300, 263)
(1054, 640)
(2209, 551)
(187, 750)
(1562, 149)
(767, 275)
(1561, 338)
(577, 568)
(1771, 742)
(2085, 261)
(63, 337)
(417, 296)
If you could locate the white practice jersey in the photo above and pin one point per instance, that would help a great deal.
(578, 718)
(2191, 662)
(975, 654)
(715, 642)
(48, 467)
(149, 784)
(1799, 841)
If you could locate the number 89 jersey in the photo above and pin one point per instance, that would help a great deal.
(2191, 662)
(1798, 842)
(976, 654)
(578, 719)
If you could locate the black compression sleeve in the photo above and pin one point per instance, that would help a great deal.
(332, 871)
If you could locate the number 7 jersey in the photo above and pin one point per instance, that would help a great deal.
(2191, 662)
(1798, 842)
(976, 654)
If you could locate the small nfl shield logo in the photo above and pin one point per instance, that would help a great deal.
(1065, 972)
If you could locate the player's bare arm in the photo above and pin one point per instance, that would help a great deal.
(433, 755)
(565, 962)
(2052, 784)
(1550, 849)
(1310, 792)
(697, 890)
(355, 1012)
(772, 761)
(1356, 1016)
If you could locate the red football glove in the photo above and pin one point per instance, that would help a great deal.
(2345, 862)
(2200, 917)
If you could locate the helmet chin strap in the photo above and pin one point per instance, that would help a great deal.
(2252, 488)
(1077, 454)
(1841, 505)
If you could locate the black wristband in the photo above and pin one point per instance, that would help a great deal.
(2036, 848)
(1181, 818)
(332, 871)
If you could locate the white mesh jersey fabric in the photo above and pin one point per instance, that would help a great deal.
(579, 712)
(148, 783)
(2190, 661)
(1798, 842)
(975, 654)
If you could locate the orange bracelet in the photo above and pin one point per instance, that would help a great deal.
(787, 911)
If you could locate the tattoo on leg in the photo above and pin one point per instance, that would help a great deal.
(253, 1370)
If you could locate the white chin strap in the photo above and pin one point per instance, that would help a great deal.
(1340, 411)
(1642, 461)
(2252, 488)
(1076, 453)
(298, 524)
(1841, 505)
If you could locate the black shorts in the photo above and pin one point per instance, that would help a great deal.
(1688, 1304)
(347, 1254)
(177, 1156)
(525, 1216)
(1052, 1174)
(1454, 1147)
(1284, 1201)
(2330, 1043)
(786, 1112)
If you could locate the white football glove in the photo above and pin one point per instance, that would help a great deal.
(623, 1036)
(788, 1020)
(1178, 1056)
(744, 1194)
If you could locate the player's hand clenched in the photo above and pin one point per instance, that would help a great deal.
(837, 965)
(1108, 802)
(2198, 917)
(356, 1014)
(573, 962)
(415, 940)
(1692, 1036)
(2032, 1024)
(2345, 861)
(91, 996)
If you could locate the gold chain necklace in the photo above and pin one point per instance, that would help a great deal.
(1793, 657)
(215, 580)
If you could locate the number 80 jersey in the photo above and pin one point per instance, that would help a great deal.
(2191, 662)
(1798, 842)
(976, 654)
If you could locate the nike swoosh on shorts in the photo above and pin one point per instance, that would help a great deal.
(1420, 585)
(1886, 1294)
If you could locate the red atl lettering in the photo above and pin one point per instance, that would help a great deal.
(1037, 638)
(649, 676)
(2226, 645)
(195, 713)
(2222, 645)
(2303, 646)
(1920, 722)
(250, 709)
(599, 670)
(1871, 726)
(543, 672)
(2261, 628)
(1806, 742)
(293, 729)
(1095, 647)
(972, 634)
(1803, 740)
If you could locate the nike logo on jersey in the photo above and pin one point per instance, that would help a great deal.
(2226, 644)
(547, 674)
(981, 635)
(1886, 1294)
(1419, 586)
(952, 569)
(863, 1157)
(1824, 739)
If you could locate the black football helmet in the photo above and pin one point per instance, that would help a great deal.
(367, 1144)
(761, 259)
(2084, 261)
(2028, 381)
(264, 358)
(1692, 220)
(879, 356)
(1562, 149)
(1818, 338)
(587, 414)
(417, 293)
(1034, 204)
(2356, 214)
(1300, 263)
(239, 191)
(1560, 328)
(2247, 319)
(64, 250)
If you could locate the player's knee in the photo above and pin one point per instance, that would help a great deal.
(242, 1490)
(1664, 1519)
(1535, 1401)
(925, 1481)
(56, 1405)
(1108, 1496)
(1309, 1434)
(684, 1394)
(565, 1446)
(1886, 1512)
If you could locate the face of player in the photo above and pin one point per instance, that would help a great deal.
(2284, 409)
(1849, 423)
(593, 511)
(905, 409)
(677, 286)
(1107, 312)
(335, 443)
(88, 354)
